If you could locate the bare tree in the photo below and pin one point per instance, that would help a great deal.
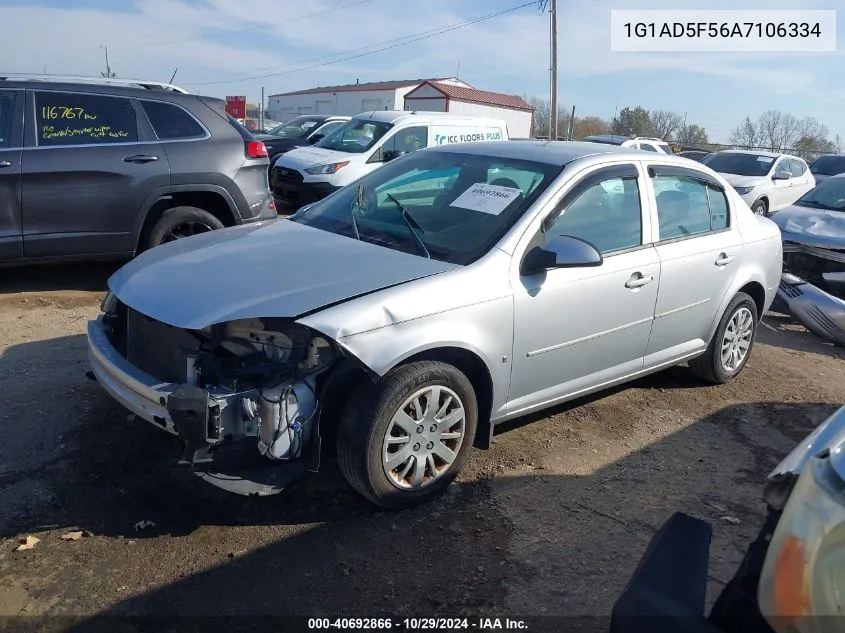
(589, 126)
(783, 132)
(691, 134)
(745, 134)
(665, 123)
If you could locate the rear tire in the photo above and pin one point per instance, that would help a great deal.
(760, 208)
(398, 455)
(731, 345)
(180, 222)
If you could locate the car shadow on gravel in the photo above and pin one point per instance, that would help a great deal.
(450, 557)
(49, 277)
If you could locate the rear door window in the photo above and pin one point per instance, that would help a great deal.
(170, 122)
(64, 118)
(7, 117)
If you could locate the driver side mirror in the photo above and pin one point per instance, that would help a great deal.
(782, 174)
(563, 251)
(314, 138)
(391, 154)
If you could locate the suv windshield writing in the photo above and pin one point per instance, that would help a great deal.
(828, 195)
(451, 206)
(355, 137)
(828, 165)
(741, 164)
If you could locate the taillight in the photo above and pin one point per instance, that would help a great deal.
(272, 204)
(256, 149)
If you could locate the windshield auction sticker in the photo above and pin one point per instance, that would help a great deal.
(723, 31)
(486, 198)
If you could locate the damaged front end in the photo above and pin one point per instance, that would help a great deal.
(243, 396)
(812, 288)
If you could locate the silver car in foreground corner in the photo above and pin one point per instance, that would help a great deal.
(405, 315)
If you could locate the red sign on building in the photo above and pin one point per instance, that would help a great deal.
(236, 107)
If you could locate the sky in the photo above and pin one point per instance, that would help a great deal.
(236, 47)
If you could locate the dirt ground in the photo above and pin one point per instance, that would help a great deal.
(551, 520)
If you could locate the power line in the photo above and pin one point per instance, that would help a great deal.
(260, 27)
(421, 36)
(235, 31)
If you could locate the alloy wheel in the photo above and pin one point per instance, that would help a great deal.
(424, 437)
(736, 341)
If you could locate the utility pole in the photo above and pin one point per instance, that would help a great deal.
(553, 68)
(571, 125)
(458, 71)
(261, 110)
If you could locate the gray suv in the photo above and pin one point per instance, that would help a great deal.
(96, 170)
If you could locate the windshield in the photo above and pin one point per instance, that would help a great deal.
(295, 128)
(828, 165)
(740, 164)
(828, 195)
(355, 136)
(457, 205)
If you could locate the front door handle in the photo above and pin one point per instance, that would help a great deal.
(5, 163)
(638, 280)
(140, 158)
(724, 260)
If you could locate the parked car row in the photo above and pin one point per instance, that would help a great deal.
(365, 143)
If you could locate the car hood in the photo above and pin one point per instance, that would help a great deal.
(816, 227)
(273, 269)
(735, 180)
(309, 156)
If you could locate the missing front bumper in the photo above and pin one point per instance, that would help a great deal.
(820, 312)
(221, 442)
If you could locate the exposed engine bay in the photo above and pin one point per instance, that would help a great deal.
(251, 381)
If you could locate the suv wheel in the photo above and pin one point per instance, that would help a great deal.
(405, 439)
(180, 222)
(730, 348)
(761, 208)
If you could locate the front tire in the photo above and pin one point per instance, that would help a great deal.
(405, 439)
(180, 222)
(730, 347)
(760, 208)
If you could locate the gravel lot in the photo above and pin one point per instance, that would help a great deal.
(551, 520)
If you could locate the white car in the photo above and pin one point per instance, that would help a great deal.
(767, 181)
(645, 143)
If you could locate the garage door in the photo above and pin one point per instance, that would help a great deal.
(371, 104)
(324, 107)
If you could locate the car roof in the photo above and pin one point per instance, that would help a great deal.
(120, 90)
(614, 139)
(755, 153)
(398, 116)
(557, 153)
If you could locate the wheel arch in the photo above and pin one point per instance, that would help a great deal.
(753, 287)
(212, 198)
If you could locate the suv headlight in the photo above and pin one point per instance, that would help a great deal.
(802, 585)
(743, 190)
(331, 168)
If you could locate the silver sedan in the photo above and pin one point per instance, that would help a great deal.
(403, 317)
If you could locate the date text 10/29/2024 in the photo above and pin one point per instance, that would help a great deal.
(417, 624)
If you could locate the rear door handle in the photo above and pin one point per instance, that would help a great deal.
(139, 158)
(638, 280)
(5, 163)
(724, 260)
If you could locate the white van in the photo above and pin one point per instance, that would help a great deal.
(366, 142)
